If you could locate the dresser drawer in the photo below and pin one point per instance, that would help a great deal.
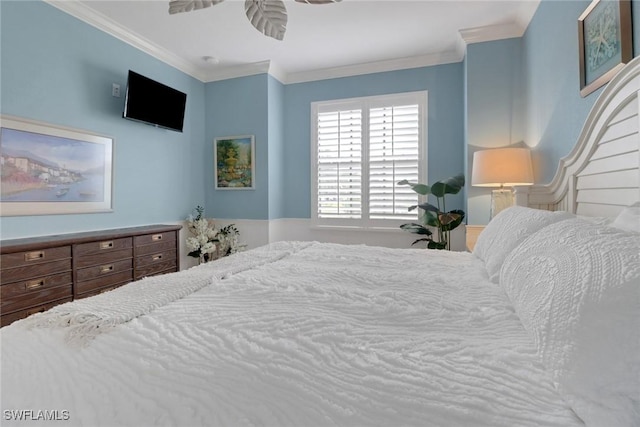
(155, 248)
(32, 299)
(101, 270)
(102, 282)
(39, 272)
(156, 258)
(155, 270)
(147, 239)
(98, 259)
(35, 271)
(15, 289)
(12, 317)
(31, 258)
(149, 265)
(102, 246)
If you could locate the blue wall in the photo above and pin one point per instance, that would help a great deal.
(59, 70)
(537, 78)
(238, 107)
(280, 116)
(445, 123)
(555, 112)
(494, 109)
(277, 167)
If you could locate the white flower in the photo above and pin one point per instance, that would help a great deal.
(212, 232)
(207, 238)
(202, 239)
(208, 248)
(193, 244)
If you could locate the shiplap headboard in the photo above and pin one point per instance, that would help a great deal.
(601, 175)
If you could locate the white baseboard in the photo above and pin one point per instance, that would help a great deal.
(255, 233)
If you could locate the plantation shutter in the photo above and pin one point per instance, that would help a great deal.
(340, 164)
(361, 148)
(394, 144)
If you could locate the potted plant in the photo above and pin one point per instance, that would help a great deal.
(436, 216)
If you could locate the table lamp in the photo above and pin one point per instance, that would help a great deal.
(501, 167)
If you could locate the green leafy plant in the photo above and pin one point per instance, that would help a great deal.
(436, 216)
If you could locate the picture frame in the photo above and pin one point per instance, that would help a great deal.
(234, 162)
(48, 169)
(605, 42)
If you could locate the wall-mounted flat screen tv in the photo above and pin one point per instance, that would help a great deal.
(151, 102)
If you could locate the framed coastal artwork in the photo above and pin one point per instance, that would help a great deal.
(605, 42)
(47, 169)
(234, 162)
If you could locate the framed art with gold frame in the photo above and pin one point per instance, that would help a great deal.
(234, 162)
(48, 169)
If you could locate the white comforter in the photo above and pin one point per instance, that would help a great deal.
(322, 335)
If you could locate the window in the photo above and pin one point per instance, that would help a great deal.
(360, 149)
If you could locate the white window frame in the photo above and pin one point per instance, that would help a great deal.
(365, 104)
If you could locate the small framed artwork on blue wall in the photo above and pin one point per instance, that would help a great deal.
(605, 42)
(234, 162)
(48, 169)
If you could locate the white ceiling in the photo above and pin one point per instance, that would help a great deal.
(322, 41)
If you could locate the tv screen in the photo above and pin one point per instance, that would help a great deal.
(151, 102)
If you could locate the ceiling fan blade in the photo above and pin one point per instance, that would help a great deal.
(178, 6)
(318, 1)
(267, 16)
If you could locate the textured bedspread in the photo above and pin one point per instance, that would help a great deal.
(326, 335)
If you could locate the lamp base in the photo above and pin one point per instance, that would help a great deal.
(500, 200)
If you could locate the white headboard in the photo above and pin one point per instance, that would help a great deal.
(601, 175)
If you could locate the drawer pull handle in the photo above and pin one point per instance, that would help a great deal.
(106, 245)
(34, 256)
(106, 268)
(156, 237)
(157, 257)
(34, 284)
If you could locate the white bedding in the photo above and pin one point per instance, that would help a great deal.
(326, 335)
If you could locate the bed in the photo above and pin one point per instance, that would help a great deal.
(537, 327)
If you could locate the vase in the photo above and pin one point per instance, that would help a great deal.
(203, 258)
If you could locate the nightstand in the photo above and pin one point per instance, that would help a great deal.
(473, 231)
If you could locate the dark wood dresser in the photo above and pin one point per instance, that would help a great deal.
(38, 273)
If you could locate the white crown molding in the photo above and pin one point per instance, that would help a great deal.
(101, 22)
(232, 72)
(277, 72)
(467, 36)
(525, 15)
(502, 31)
(461, 46)
(491, 33)
(374, 67)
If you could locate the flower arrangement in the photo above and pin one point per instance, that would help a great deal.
(228, 240)
(207, 242)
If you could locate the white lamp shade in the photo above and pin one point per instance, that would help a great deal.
(502, 167)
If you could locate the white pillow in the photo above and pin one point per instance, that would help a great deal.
(629, 218)
(504, 232)
(597, 220)
(576, 287)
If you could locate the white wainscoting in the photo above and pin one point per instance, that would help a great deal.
(254, 233)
